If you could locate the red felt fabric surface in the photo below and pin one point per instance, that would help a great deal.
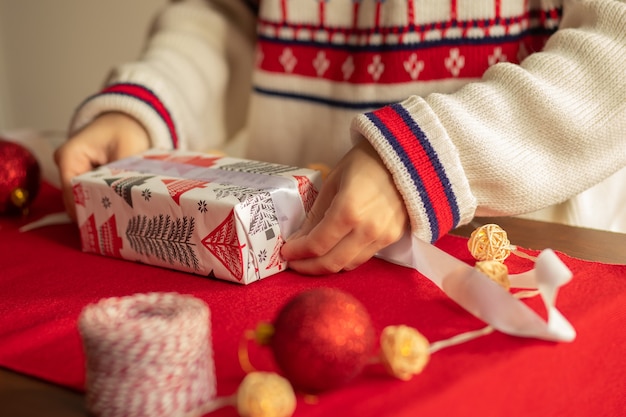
(45, 282)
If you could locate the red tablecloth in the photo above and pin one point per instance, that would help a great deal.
(45, 282)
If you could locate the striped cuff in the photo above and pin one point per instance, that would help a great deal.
(147, 96)
(137, 101)
(428, 174)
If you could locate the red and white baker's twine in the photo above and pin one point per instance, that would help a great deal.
(148, 355)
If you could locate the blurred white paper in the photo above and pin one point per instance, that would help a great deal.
(47, 220)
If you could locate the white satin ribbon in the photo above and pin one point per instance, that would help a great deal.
(485, 299)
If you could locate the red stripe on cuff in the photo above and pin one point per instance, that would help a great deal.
(144, 94)
(412, 146)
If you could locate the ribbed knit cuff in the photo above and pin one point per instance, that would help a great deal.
(136, 101)
(424, 164)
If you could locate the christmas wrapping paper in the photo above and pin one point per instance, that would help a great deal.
(195, 212)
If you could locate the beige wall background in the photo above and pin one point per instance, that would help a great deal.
(53, 54)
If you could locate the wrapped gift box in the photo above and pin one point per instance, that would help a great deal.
(195, 212)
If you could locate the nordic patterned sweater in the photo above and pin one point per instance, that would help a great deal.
(477, 107)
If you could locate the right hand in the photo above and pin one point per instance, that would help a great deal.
(358, 211)
(109, 137)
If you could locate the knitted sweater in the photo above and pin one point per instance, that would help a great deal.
(477, 107)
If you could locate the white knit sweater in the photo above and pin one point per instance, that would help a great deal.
(468, 106)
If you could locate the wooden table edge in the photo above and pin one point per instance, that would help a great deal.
(576, 242)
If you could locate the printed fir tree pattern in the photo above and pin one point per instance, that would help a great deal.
(178, 187)
(276, 260)
(205, 161)
(89, 235)
(262, 210)
(164, 238)
(110, 241)
(124, 186)
(103, 241)
(307, 191)
(224, 244)
(258, 167)
(79, 194)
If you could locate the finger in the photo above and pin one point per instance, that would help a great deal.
(365, 255)
(354, 249)
(333, 261)
(70, 162)
(66, 175)
(384, 236)
(297, 245)
(317, 237)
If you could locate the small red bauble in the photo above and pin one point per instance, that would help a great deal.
(322, 339)
(20, 177)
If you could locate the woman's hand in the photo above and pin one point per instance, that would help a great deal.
(109, 137)
(358, 212)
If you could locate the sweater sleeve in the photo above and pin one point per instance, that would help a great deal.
(195, 67)
(524, 137)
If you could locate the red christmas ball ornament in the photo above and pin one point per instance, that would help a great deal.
(20, 177)
(322, 338)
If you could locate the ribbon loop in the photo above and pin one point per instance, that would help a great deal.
(485, 299)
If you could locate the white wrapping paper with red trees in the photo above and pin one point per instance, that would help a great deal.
(207, 214)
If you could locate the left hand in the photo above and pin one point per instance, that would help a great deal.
(358, 212)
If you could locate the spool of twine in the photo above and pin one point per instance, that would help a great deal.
(148, 355)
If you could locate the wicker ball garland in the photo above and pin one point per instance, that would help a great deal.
(496, 271)
(489, 243)
(403, 351)
(265, 394)
(490, 246)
